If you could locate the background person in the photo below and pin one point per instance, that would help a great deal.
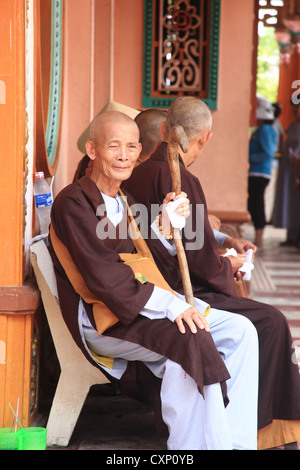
(261, 156)
(287, 204)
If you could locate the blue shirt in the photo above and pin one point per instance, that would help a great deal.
(262, 150)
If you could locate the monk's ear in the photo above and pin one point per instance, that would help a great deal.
(162, 129)
(90, 149)
(205, 138)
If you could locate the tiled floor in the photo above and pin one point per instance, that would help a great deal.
(276, 278)
(111, 422)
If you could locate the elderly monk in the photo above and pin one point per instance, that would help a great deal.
(118, 316)
(211, 274)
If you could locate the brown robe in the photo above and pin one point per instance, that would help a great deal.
(75, 223)
(212, 280)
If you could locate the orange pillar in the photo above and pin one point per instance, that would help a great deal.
(18, 301)
(12, 140)
(284, 89)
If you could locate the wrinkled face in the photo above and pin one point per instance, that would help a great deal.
(115, 152)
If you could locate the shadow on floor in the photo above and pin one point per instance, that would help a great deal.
(110, 421)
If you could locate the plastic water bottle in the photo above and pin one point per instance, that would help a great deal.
(43, 200)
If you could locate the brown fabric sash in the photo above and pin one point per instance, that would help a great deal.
(141, 263)
(100, 310)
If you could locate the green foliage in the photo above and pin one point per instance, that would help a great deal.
(268, 65)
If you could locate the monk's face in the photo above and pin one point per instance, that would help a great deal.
(116, 151)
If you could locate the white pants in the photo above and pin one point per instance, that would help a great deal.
(194, 422)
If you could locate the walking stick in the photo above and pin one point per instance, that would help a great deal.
(178, 138)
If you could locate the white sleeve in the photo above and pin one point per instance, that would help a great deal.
(220, 237)
(164, 304)
(168, 244)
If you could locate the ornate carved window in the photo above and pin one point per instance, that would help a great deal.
(181, 44)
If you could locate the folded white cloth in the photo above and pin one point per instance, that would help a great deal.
(177, 221)
(248, 266)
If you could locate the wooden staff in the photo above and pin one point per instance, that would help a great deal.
(178, 138)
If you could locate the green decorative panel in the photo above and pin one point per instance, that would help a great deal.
(54, 105)
(187, 19)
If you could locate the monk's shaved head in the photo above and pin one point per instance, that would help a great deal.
(148, 122)
(103, 121)
(190, 113)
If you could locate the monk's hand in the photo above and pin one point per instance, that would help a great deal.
(237, 262)
(182, 210)
(238, 277)
(240, 245)
(194, 320)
